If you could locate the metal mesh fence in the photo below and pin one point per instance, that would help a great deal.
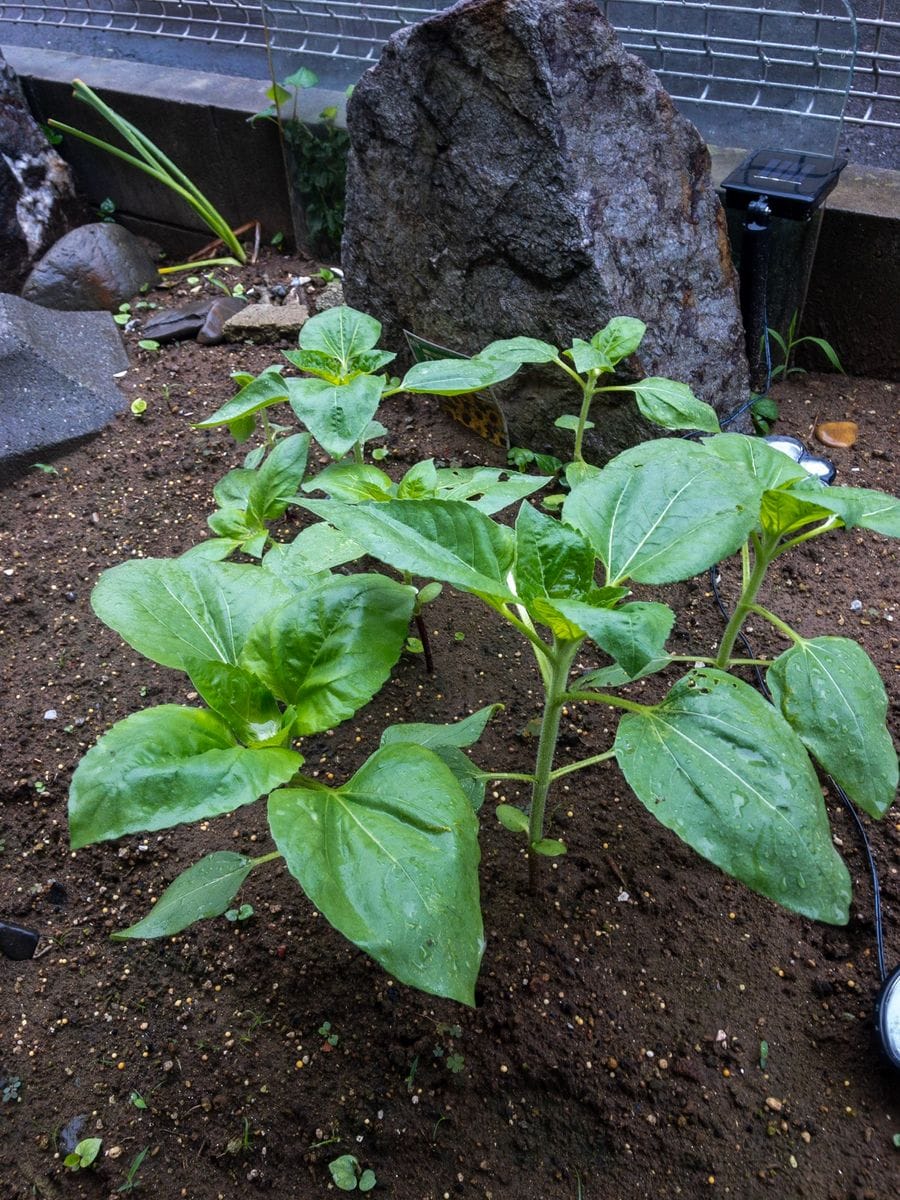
(730, 64)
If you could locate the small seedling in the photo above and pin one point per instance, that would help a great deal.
(326, 275)
(107, 210)
(763, 1055)
(9, 1092)
(455, 1063)
(244, 913)
(787, 345)
(46, 468)
(123, 316)
(139, 407)
(325, 1031)
(149, 344)
(137, 1100)
(83, 1155)
(277, 239)
(347, 1175)
(241, 1144)
(131, 1182)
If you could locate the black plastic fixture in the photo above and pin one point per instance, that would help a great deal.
(16, 942)
(771, 183)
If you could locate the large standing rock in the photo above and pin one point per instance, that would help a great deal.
(37, 195)
(515, 171)
(58, 386)
(95, 266)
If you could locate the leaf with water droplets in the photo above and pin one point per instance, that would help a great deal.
(719, 765)
(830, 693)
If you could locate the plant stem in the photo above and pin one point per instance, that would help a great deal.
(780, 625)
(604, 698)
(513, 776)
(732, 662)
(581, 764)
(560, 656)
(587, 388)
(426, 643)
(761, 562)
(264, 858)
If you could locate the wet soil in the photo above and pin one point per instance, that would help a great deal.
(645, 1028)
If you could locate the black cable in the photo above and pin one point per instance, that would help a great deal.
(848, 803)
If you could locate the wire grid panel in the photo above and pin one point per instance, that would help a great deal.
(776, 72)
(709, 54)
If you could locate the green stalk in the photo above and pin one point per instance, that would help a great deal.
(781, 626)
(587, 388)
(264, 858)
(764, 550)
(560, 658)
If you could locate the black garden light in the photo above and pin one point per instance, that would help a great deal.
(770, 184)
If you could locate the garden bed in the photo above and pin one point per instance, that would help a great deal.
(645, 1028)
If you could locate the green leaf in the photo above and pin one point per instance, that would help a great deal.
(391, 860)
(519, 350)
(615, 677)
(336, 415)
(302, 78)
(458, 733)
(781, 513)
(829, 691)
(718, 765)
(664, 511)
(619, 338)
(770, 466)
(275, 484)
(314, 362)
(233, 489)
(580, 472)
(551, 559)
(212, 550)
(550, 847)
(176, 611)
(673, 405)
(437, 539)
(87, 1150)
(267, 388)
(488, 489)
(167, 766)
(332, 647)
(419, 482)
(367, 1179)
(570, 421)
(588, 358)
(471, 779)
(454, 376)
(315, 549)
(352, 482)
(861, 508)
(242, 701)
(512, 818)
(826, 348)
(340, 332)
(634, 635)
(343, 1172)
(203, 890)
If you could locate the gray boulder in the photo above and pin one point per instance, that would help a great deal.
(93, 267)
(58, 387)
(515, 171)
(37, 196)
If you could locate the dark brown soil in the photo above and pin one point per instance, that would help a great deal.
(615, 1049)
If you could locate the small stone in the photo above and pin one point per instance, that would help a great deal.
(114, 1152)
(50, 714)
(266, 323)
(839, 434)
(856, 605)
(774, 1104)
(331, 296)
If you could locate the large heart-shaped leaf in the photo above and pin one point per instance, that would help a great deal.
(315, 549)
(204, 890)
(329, 651)
(337, 415)
(488, 489)
(176, 611)
(664, 511)
(391, 860)
(718, 765)
(634, 635)
(435, 539)
(166, 766)
(519, 350)
(458, 733)
(353, 482)
(831, 694)
(341, 333)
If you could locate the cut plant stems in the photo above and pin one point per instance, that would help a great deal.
(280, 649)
